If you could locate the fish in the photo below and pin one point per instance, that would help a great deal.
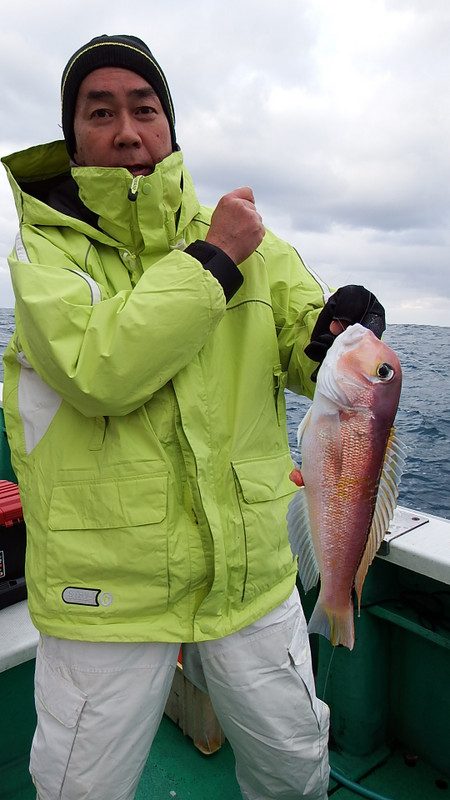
(351, 466)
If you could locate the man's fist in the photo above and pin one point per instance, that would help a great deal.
(236, 226)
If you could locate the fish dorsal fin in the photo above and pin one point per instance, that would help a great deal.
(300, 539)
(393, 464)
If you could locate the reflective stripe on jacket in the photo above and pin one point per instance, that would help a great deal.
(146, 417)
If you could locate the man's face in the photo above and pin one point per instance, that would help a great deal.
(119, 122)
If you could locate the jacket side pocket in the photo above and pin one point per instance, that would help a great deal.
(263, 493)
(279, 385)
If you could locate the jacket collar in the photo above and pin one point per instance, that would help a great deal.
(163, 201)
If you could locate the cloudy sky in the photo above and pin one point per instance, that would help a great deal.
(336, 112)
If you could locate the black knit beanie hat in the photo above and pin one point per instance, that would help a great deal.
(127, 52)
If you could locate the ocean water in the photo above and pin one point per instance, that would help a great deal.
(423, 417)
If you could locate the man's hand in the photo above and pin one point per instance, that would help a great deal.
(236, 226)
(348, 305)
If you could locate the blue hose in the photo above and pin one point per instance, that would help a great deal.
(356, 787)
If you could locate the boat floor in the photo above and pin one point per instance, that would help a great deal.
(177, 770)
(395, 780)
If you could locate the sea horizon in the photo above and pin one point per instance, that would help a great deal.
(416, 324)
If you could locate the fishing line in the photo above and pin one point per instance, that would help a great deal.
(369, 303)
(328, 672)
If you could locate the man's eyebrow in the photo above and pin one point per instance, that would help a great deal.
(99, 94)
(104, 94)
(143, 92)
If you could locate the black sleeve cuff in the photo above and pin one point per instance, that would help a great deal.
(219, 264)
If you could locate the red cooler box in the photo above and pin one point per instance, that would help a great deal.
(12, 546)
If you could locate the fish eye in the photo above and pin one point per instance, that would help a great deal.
(385, 372)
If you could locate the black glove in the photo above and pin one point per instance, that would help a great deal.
(350, 304)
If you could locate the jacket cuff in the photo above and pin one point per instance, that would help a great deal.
(218, 264)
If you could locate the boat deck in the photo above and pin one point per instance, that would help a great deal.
(175, 769)
(176, 766)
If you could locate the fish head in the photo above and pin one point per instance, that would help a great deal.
(361, 371)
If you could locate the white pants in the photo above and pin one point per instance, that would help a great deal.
(99, 706)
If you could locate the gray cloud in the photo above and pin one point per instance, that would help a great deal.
(336, 114)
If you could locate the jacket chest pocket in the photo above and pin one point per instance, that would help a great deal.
(264, 491)
(107, 545)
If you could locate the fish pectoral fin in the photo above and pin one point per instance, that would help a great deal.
(393, 465)
(302, 427)
(300, 539)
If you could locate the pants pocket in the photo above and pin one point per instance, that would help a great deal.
(59, 705)
(299, 654)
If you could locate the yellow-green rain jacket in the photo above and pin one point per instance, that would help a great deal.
(146, 417)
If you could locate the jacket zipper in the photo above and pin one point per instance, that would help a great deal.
(132, 196)
(133, 191)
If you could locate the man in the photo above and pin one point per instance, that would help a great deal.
(144, 400)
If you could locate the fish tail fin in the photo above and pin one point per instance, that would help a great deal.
(319, 621)
(337, 626)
